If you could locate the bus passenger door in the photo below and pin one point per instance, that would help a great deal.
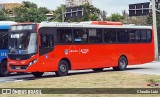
(46, 50)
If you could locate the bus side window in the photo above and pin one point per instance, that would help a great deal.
(5, 42)
(47, 40)
(132, 38)
(110, 35)
(149, 36)
(3, 39)
(122, 36)
(137, 36)
(143, 36)
(80, 36)
(95, 35)
(64, 35)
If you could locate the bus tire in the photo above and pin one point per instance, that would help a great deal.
(122, 64)
(63, 68)
(37, 74)
(98, 69)
(3, 69)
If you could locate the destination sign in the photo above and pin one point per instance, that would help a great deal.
(23, 27)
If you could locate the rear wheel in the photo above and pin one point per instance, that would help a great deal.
(63, 68)
(37, 74)
(122, 64)
(97, 69)
(3, 69)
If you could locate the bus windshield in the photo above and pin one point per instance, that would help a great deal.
(23, 43)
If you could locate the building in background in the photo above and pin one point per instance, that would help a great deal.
(9, 6)
(73, 3)
(81, 2)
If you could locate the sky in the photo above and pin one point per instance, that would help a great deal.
(110, 6)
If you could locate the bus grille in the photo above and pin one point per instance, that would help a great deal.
(13, 67)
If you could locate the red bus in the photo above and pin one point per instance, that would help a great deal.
(60, 47)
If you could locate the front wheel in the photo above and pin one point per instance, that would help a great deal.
(37, 74)
(122, 64)
(3, 69)
(63, 68)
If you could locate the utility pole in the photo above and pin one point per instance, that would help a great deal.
(155, 29)
(62, 13)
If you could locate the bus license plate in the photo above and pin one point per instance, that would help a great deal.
(18, 68)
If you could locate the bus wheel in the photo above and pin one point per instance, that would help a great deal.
(37, 74)
(63, 68)
(97, 69)
(122, 64)
(3, 69)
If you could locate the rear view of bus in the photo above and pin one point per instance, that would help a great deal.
(4, 28)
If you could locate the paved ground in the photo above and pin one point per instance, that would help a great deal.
(149, 68)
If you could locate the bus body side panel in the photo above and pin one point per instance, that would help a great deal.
(3, 54)
(135, 53)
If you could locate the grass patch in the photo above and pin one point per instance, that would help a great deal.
(90, 80)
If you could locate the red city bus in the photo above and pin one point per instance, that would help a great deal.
(60, 47)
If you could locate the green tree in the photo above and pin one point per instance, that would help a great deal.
(57, 14)
(91, 14)
(29, 12)
(28, 4)
(3, 15)
(44, 10)
(116, 17)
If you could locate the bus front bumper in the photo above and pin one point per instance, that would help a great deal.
(23, 68)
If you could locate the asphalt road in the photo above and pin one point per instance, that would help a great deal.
(149, 68)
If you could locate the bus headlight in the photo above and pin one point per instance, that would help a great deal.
(30, 63)
(33, 62)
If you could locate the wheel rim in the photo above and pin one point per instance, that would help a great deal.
(63, 68)
(122, 63)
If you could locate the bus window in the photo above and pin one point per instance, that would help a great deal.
(149, 36)
(137, 36)
(64, 36)
(132, 36)
(143, 36)
(110, 35)
(80, 36)
(3, 39)
(47, 40)
(122, 36)
(95, 36)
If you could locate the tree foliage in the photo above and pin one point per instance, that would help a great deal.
(57, 14)
(91, 14)
(116, 17)
(29, 12)
(4, 15)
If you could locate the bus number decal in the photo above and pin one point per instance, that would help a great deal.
(3, 54)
